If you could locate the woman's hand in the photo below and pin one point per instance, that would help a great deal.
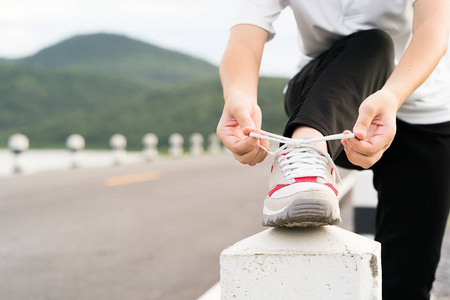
(374, 130)
(241, 116)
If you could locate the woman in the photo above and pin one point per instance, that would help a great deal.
(379, 68)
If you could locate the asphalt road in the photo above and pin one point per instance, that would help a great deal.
(142, 231)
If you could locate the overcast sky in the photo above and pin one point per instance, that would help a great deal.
(197, 27)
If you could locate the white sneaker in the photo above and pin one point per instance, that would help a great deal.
(304, 184)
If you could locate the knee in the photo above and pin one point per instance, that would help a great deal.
(377, 35)
(377, 44)
(378, 39)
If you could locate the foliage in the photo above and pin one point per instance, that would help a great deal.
(48, 104)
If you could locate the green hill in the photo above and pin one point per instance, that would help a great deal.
(56, 93)
(121, 56)
(47, 106)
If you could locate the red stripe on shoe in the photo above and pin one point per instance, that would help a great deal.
(306, 179)
(299, 179)
(332, 187)
(277, 188)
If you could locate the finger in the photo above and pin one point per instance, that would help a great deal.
(234, 140)
(347, 132)
(246, 158)
(344, 141)
(261, 155)
(360, 147)
(361, 159)
(365, 118)
(249, 142)
(244, 146)
(244, 119)
(265, 144)
(356, 159)
(369, 147)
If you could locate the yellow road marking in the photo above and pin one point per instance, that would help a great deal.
(132, 178)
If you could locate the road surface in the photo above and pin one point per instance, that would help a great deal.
(143, 231)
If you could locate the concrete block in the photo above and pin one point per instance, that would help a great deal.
(302, 263)
(196, 140)
(214, 147)
(18, 143)
(176, 145)
(150, 141)
(76, 143)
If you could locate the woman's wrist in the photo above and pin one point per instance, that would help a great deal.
(242, 97)
(392, 96)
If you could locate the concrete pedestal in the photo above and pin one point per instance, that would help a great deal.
(303, 263)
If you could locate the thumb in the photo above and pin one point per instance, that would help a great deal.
(365, 118)
(245, 121)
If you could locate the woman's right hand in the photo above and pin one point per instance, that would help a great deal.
(241, 116)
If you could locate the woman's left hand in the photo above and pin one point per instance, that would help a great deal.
(374, 130)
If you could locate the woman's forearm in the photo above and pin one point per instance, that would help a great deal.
(428, 45)
(239, 68)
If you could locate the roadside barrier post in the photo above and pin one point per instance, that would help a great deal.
(150, 141)
(118, 144)
(18, 143)
(302, 263)
(176, 145)
(214, 144)
(196, 141)
(75, 143)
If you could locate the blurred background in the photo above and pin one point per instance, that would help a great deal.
(112, 182)
(139, 203)
(97, 68)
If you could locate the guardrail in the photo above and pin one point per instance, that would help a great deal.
(19, 144)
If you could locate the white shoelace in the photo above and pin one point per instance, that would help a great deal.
(300, 157)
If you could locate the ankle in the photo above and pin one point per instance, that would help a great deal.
(308, 132)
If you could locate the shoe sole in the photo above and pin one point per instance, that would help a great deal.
(304, 213)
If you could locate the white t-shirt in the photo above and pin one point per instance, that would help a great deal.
(321, 23)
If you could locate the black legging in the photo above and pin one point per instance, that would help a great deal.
(413, 176)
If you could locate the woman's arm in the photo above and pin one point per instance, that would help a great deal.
(239, 73)
(429, 43)
(375, 127)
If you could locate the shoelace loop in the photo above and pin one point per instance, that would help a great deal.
(299, 157)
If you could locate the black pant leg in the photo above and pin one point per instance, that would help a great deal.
(327, 93)
(413, 184)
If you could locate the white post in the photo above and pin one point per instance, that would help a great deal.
(75, 143)
(302, 263)
(18, 143)
(196, 140)
(118, 143)
(214, 144)
(364, 199)
(176, 145)
(150, 141)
